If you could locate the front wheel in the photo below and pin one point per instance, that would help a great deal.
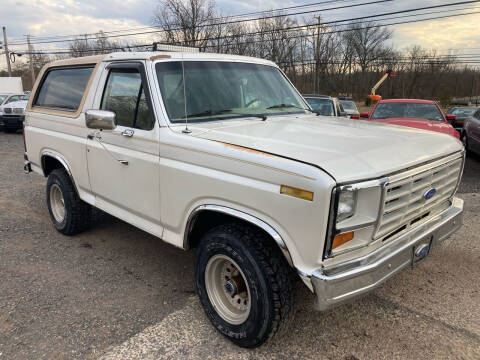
(245, 285)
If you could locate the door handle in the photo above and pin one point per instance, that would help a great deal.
(128, 132)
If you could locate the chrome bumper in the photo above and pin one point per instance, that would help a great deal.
(351, 279)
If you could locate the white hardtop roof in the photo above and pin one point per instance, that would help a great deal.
(160, 55)
(153, 55)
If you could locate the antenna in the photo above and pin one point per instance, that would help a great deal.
(186, 130)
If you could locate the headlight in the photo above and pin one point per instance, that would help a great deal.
(18, 111)
(353, 216)
(346, 204)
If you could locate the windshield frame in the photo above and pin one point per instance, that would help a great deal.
(218, 119)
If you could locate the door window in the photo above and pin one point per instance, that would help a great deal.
(125, 96)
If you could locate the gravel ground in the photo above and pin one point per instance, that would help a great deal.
(117, 292)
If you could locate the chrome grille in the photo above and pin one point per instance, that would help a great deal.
(404, 202)
(7, 110)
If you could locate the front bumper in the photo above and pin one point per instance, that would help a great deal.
(13, 122)
(351, 279)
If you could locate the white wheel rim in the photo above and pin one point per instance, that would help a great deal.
(227, 289)
(57, 203)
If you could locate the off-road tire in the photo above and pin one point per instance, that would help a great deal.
(270, 280)
(78, 213)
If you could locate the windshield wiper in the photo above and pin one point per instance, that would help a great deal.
(220, 112)
(279, 106)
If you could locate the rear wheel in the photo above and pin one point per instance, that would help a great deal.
(245, 285)
(69, 214)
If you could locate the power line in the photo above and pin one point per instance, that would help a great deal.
(346, 30)
(218, 18)
(234, 21)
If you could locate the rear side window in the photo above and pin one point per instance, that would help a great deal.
(63, 88)
(124, 94)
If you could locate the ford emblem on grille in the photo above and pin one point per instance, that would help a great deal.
(429, 193)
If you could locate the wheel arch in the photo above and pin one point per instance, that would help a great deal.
(218, 214)
(51, 161)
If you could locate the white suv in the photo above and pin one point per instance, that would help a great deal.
(222, 154)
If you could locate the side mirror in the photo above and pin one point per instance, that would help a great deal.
(100, 119)
(451, 118)
(355, 117)
(364, 115)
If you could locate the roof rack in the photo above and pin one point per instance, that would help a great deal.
(158, 46)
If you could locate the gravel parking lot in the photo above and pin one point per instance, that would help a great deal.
(117, 292)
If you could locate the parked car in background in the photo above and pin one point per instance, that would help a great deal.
(461, 113)
(12, 114)
(350, 107)
(420, 114)
(471, 133)
(325, 105)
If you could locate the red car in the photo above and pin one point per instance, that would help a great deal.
(420, 114)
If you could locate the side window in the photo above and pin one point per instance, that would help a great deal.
(124, 95)
(63, 88)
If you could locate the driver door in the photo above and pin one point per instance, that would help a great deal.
(123, 164)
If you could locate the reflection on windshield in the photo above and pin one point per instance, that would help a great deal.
(407, 110)
(322, 106)
(222, 90)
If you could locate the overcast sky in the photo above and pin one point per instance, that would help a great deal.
(55, 17)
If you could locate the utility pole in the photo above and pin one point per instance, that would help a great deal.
(30, 57)
(7, 54)
(317, 57)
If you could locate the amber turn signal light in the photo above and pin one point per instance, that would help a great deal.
(295, 192)
(341, 239)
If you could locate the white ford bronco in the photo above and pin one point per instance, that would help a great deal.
(221, 153)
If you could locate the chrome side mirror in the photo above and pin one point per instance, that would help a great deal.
(100, 119)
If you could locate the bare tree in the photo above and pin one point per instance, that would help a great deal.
(186, 22)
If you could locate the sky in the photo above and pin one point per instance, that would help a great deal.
(55, 17)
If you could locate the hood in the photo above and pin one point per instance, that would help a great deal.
(349, 150)
(419, 123)
(16, 104)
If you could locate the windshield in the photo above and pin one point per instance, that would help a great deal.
(2, 98)
(217, 90)
(323, 106)
(466, 111)
(407, 110)
(348, 105)
(26, 96)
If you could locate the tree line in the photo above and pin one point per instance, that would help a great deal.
(318, 57)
